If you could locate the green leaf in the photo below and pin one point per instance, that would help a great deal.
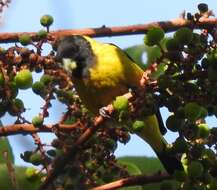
(147, 166)
(151, 164)
(136, 53)
(133, 170)
(5, 146)
(153, 54)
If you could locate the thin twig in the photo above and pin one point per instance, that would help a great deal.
(134, 180)
(25, 129)
(11, 171)
(167, 26)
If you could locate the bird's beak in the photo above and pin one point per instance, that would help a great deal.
(68, 64)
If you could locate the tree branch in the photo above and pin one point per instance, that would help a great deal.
(167, 26)
(25, 129)
(134, 180)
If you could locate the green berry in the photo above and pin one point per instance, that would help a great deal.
(180, 145)
(37, 121)
(120, 103)
(138, 126)
(174, 123)
(90, 165)
(14, 89)
(18, 103)
(192, 111)
(111, 144)
(167, 185)
(46, 20)
(208, 154)
(196, 39)
(41, 34)
(154, 36)
(23, 79)
(25, 39)
(203, 112)
(195, 169)
(38, 88)
(35, 159)
(183, 35)
(207, 178)
(172, 44)
(203, 130)
(46, 79)
(203, 7)
(31, 174)
(212, 185)
(2, 79)
(16, 107)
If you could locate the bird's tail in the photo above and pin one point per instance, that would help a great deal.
(170, 162)
(152, 135)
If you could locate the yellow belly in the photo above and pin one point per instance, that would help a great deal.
(111, 74)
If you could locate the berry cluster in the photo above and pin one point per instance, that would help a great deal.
(186, 87)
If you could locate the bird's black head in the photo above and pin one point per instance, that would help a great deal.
(74, 53)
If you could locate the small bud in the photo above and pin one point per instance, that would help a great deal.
(154, 36)
(35, 159)
(46, 20)
(25, 39)
(37, 121)
(195, 169)
(41, 34)
(120, 103)
(31, 174)
(183, 35)
(38, 88)
(24, 79)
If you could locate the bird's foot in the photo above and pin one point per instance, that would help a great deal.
(104, 112)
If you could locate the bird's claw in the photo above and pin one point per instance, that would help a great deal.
(104, 112)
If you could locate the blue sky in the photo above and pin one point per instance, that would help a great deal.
(24, 16)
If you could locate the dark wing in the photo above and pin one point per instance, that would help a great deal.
(162, 128)
(123, 52)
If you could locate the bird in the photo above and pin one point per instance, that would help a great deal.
(102, 71)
